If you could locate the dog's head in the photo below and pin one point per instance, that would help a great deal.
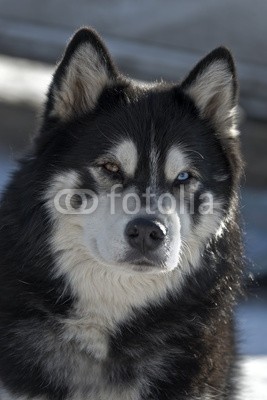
(140, 176)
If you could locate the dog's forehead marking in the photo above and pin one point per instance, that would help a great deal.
(126, 154)
(153, 161)
(176, 161)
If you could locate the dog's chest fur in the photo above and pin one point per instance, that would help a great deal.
(97, 316)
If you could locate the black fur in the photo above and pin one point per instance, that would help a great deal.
(192, 331)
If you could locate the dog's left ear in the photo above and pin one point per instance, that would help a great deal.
(212, 85)
(85, 70)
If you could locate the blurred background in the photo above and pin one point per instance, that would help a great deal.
(154, 39)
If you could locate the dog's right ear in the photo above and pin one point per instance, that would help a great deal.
(212, 85)
(85, 70)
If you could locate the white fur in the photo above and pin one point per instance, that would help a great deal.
(220, 178)
(153, 168)
(212, 92)
(176, 162)
(126, 153)
(194, 240)
(85, 78)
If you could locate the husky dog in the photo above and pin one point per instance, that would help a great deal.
(120, 246)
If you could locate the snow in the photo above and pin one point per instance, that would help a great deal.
(254, 378)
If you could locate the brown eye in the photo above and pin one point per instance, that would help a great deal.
(111, 167)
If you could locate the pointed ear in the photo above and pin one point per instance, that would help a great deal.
(212, 85)
(84, 71)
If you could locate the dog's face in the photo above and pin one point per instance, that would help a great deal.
(141, 170)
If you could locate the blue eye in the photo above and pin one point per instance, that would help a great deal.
(183, 176)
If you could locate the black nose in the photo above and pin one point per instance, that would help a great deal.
(144, 234)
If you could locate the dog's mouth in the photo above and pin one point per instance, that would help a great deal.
(143, 261)
(135, 261)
